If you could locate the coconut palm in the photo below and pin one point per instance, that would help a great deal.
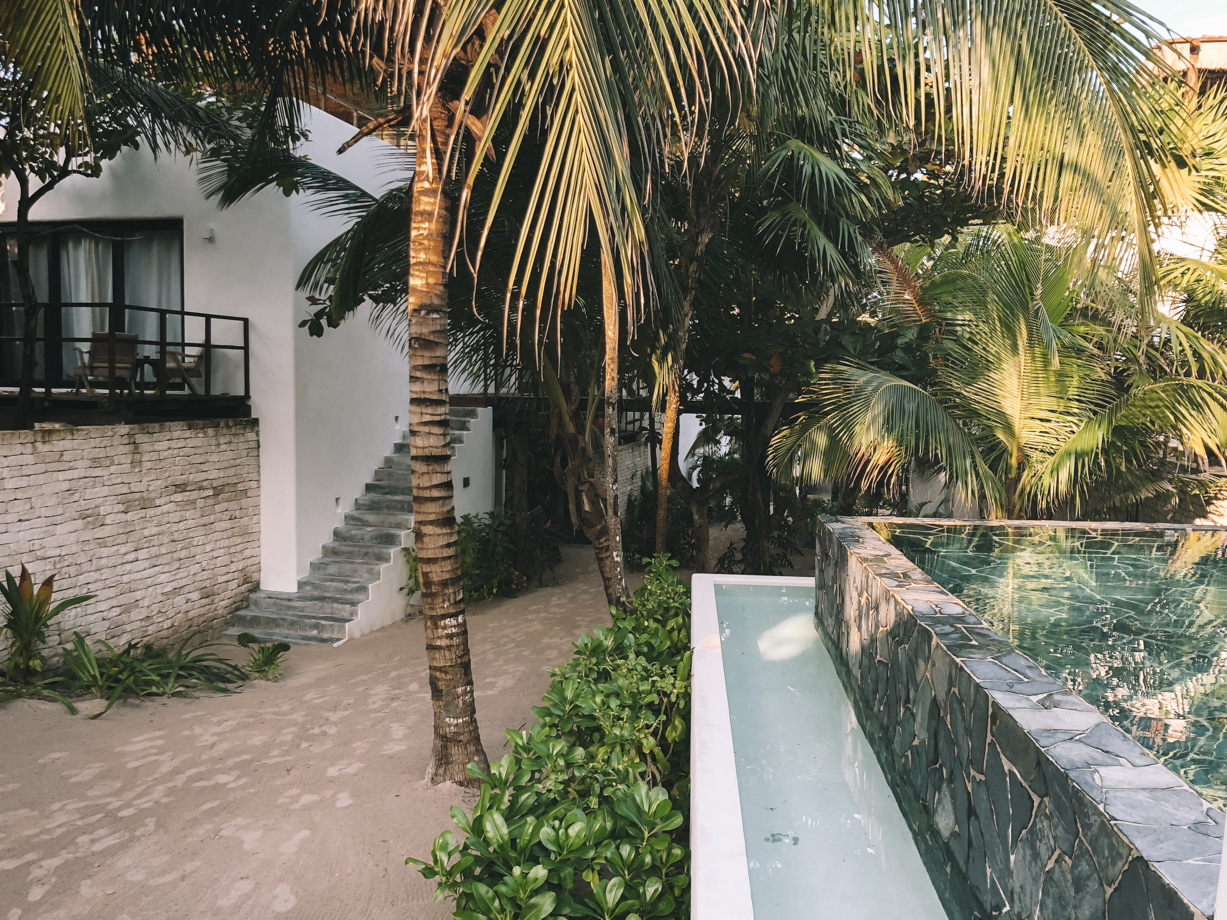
(1042, 396)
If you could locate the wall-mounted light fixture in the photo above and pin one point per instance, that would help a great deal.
(211, 236)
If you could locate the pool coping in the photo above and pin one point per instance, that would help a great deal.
(884, 599)
(719, 869)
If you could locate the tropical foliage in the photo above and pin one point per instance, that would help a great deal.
(587, 814)
(1044, 394)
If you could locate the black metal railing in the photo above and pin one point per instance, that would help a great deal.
(117, 344)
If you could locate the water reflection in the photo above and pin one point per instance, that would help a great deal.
(1134, 622)
(824, 836)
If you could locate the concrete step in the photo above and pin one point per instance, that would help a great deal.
(456, 413)
(396, 462)
(335, 586)
(457, 437)
(306, 605)
(401, 448)
(403, 489)
(386, 474)
(397, 520)
(403, 504)
(386, 535)
(375, 553)
(312, 626)
(364, 572)
(290, 638)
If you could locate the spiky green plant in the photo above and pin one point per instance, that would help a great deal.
(26, 622)
(263, 658)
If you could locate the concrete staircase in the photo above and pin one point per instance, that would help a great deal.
(354, 586)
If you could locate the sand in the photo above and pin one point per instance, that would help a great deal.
(299, 798)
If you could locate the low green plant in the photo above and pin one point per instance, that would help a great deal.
(113, 677)
(165, 672)
(26, 620)
(487, 556)
(263, 658)
(586, 816)
(146, 671)
(414, 584)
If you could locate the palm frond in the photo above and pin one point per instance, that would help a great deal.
(886, 422)
(42, 42)
(1045, 102)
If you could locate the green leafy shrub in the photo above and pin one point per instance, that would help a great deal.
(487, 556)
(586, 817)
(263, 658)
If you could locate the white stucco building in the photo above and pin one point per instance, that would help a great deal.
(329, 409)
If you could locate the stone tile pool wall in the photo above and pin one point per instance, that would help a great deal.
(1027, 802)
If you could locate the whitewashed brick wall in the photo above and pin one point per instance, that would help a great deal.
(162, 522)
(633, 459)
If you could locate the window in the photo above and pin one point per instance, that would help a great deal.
(88, 267)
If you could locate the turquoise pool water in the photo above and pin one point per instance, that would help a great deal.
(1134, 622)
(824, 835)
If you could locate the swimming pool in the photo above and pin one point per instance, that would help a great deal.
(1135, 622)
(791, 813)
(1025, 790)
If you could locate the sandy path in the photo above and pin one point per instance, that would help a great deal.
(295, 799)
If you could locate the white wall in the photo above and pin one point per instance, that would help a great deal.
(326, 406)
(351, 385)
(475, 459)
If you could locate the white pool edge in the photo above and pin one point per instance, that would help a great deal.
(719, 869)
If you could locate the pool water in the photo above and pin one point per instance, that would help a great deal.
(824, 835)
(1133, 621)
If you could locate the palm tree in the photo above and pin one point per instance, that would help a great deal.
(1042, 395)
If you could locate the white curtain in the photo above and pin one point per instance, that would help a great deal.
(85, 278)
(153, 277)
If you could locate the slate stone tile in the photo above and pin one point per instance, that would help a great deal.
(1130, 900)
(1065, 699)
(1021, 664)
(1073, 755)
(1108, 737)
(1089, 901)
(1060, 808)
(990, 670)
(1166, 902)
(1017, 748)
(1012, 701)
(1155, 776)
(1110, 850)
(1163, 844)
(1156, 806)
(1024, 687)
(1035, 848)
(1047, 739)
(1022, 807)
(999, 795)
(978, 731)
(1057, 895)
(1197, 883)
(977, 864)
(1056, 719)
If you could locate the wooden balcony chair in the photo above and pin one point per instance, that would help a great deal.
(181, 364)
(96, 363)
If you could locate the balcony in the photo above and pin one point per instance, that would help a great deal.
(108, 363)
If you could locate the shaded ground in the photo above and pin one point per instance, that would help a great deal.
(298, 799)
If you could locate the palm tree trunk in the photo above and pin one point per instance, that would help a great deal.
(706, 222)
(457, 742)
(616, 579)
(668, 441)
